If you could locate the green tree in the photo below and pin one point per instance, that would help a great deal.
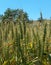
(14, 15)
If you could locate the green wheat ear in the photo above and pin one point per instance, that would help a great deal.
(43, 40)
(45, 32)
(24, 27)
(1, 49)
(21, 30)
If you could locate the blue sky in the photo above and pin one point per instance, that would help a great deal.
(32, 7)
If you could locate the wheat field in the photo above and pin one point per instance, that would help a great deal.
(25, 43)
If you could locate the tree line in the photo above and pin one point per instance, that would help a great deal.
(17, 15)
